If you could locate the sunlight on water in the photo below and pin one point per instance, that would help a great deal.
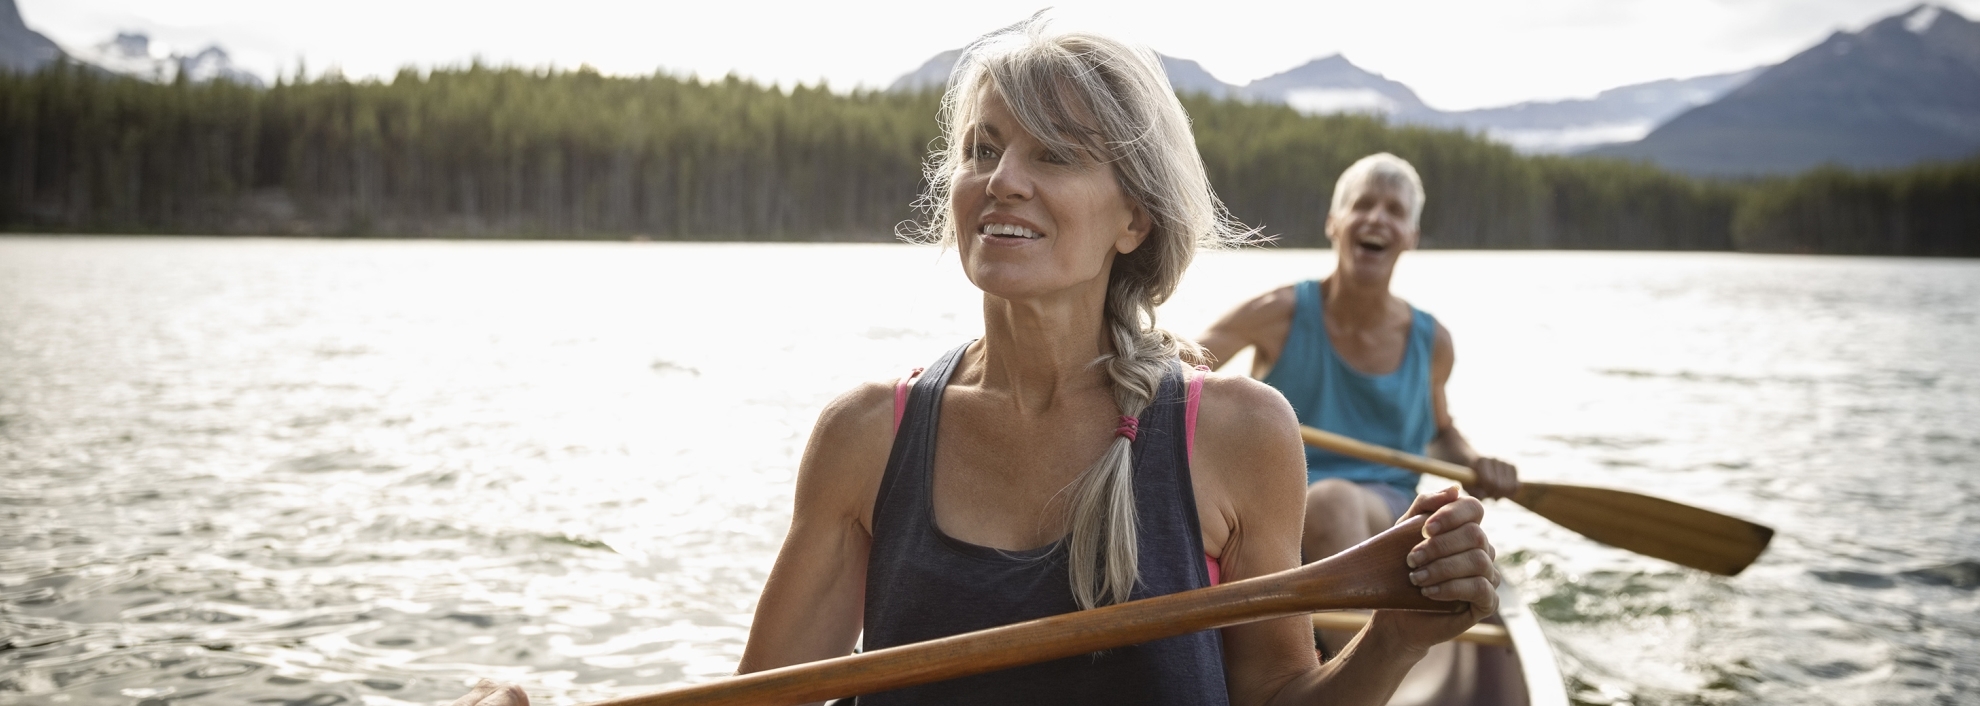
(366, 472)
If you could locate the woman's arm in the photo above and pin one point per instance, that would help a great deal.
(1249, 468)
(812, 605)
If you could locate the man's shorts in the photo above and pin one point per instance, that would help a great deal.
(1397, 500)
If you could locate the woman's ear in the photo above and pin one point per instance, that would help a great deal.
(1137, 231)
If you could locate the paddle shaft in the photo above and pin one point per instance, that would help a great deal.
(1371, 575)
(1384, 455)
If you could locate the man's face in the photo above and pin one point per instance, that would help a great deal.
(1372, 228)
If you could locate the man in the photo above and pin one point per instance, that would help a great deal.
(1356, 360)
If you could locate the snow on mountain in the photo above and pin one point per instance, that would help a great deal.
(213, 64)
(1921, 20)
(1623, 114)
(132, 54)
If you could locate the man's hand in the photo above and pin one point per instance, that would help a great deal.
(1496, 478)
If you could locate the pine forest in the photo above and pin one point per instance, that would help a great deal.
(487, 152)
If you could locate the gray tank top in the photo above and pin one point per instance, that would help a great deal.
(922, 584)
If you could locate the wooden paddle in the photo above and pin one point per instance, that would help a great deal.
(1371, 575)
(1674, 532)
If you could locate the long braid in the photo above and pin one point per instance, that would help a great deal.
(1081, 92)
(1103, 558)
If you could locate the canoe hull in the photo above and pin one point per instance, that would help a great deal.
(1470, 674)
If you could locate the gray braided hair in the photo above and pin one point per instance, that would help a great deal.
(1080, 91)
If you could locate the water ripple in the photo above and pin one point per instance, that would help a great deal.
(323, 472)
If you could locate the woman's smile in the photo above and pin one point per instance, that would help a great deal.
(1008, 231)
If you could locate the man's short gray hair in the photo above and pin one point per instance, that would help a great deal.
(1381, 168)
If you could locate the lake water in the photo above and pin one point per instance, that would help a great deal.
(363, 472)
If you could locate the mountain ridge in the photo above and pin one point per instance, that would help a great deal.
(1904, 90)
(1334, 84)
(22, 49)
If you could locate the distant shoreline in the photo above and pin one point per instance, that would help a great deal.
(28, 235)
(497, 154)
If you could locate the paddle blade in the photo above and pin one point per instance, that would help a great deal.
(1674, 532)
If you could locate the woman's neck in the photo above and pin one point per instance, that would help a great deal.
(1038, 351)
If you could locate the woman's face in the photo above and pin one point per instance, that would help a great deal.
(1030, 223)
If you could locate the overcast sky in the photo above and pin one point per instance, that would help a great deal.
(1455, 53)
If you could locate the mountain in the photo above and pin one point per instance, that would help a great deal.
(1623, 114)
(130, 54)
(933, 73)
(1320, 86)
(22, 50)
(1903, 90)
(213, 64)
(1185, 75)
(1335, 85)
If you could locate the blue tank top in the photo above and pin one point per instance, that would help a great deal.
(922, 584)
(1390, 410)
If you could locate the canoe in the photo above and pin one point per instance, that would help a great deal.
(1519, 670)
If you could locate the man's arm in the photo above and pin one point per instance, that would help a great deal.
(1496, 478)
(1260, 323)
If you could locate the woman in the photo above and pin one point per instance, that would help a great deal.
(1050, 465)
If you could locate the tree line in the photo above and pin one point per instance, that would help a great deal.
(481, 151)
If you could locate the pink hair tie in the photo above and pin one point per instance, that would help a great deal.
(1128, 427)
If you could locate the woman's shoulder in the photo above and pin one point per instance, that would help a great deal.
(1239, 418)
(1240, 394)
(847, 452)
(1248, 465)
(868, 406)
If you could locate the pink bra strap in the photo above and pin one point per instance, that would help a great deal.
(901, 395)
(1189, 409)
(1190, 404)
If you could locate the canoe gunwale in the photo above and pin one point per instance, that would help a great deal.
(1537, 665)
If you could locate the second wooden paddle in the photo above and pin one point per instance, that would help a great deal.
(1370, 575)
(1674, 532)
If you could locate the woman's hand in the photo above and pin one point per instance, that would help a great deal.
(489, 693)
(1452, 563)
